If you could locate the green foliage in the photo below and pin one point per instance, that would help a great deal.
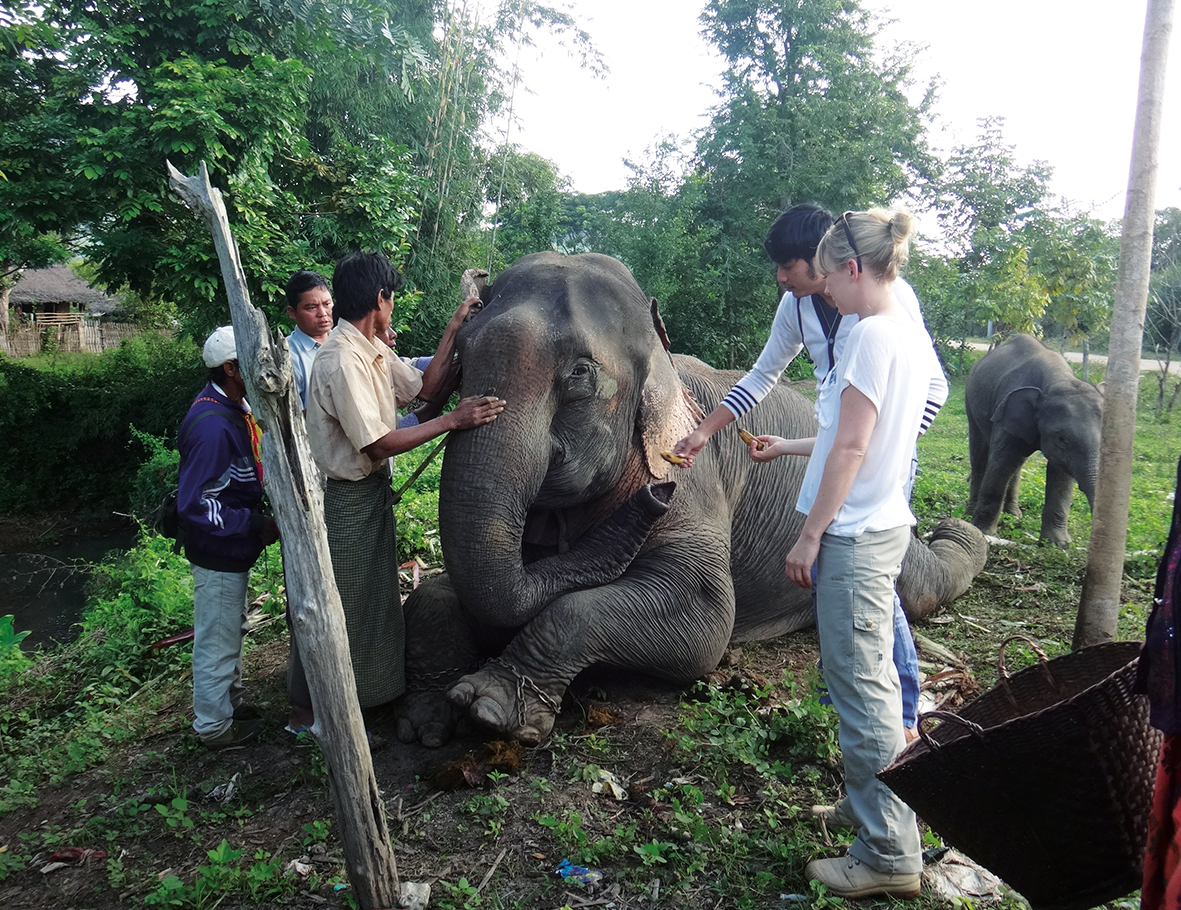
(64, 431)
(490, 808)
(12, 658)
(740, 726)
(156, 476)
(316, 832)
(585, 847)
(140, 597)
(231, 84)
(654, 852)
(418, 512)
(527, 194)
(134, 600)
(224, 874)
(176, 815)
(460, 896)
(807, 112)
(10, 862)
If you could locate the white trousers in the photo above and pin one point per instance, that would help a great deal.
(219, 625)
(854, 617)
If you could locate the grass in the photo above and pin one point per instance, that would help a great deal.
(713, 783)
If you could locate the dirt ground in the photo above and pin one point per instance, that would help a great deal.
(434, 815)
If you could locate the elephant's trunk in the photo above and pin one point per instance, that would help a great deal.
(482, 541)
(937, 573)
(1087, 485)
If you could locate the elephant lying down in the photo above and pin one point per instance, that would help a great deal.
(570, 542)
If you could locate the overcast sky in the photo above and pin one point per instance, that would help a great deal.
(1063, 73)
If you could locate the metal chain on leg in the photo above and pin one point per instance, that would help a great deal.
(524, 683)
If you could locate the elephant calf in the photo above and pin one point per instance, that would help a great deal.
(1022, 397)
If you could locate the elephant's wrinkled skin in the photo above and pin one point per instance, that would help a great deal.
(1022, 397)
(565, 542)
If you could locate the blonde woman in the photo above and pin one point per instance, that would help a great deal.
(870, 409)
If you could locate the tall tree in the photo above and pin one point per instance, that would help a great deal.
(454, 139)
(40, 210)
(1076, 258)
(807, 111)
(526, 193)
(127, 85)
(1098, 611)
(984, 200)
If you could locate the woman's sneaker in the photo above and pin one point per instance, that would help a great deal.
(846, 876)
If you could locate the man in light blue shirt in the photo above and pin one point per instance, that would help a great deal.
(309, 304)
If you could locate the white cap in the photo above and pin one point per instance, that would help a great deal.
(219, 347)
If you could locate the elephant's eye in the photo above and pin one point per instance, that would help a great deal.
(579, 381)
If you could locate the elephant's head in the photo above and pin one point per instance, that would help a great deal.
(1064, 420)
(572, 345)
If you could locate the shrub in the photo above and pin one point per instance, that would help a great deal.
(66, 430)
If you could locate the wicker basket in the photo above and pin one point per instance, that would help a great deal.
(1046, 779)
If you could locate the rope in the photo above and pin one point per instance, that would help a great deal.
(418, 471)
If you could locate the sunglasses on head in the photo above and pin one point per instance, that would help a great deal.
(844, 220)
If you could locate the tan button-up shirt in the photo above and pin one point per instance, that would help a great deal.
(354, 392)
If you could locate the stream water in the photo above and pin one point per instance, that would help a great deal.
(44, 587)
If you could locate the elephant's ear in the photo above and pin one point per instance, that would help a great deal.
(1016, 413)
(666, 414)
(658, 324)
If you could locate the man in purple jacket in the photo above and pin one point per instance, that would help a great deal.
(219, 500)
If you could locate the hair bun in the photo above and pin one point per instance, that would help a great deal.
(901, 226)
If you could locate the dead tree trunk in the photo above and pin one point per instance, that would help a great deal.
(1099, 609)
(293, 486)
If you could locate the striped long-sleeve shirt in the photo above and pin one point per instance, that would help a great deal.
(811, 323)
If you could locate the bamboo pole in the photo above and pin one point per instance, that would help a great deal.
(293, 486)
(1098, 610)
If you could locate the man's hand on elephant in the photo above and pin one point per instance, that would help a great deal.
(469, 307)
(688, 447)
(800, 559)
(473, 412)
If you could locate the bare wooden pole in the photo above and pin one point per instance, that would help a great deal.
(1098, 611)
(293, 487)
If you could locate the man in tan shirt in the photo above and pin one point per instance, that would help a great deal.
(355, 388)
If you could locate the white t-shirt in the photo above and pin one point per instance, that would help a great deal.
(891, 362)
(797, 326)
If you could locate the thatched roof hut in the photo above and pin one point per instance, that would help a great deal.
(58, 290)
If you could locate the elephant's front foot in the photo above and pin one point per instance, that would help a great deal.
(501, 697)
(1011, 508)
(1060, 537)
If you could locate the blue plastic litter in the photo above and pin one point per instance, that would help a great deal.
(579, 874)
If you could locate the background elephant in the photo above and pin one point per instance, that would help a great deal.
(1022, 397)
(569, 541)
